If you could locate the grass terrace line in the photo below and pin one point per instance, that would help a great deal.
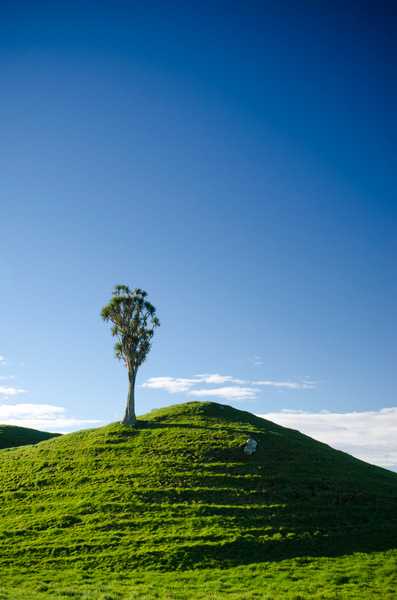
(106, 506)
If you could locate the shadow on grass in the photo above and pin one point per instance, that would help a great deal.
(180, 506)
(279, 514)
(249, 551)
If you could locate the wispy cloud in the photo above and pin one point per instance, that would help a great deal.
(227, 393)
(176, 385)
(48, 417)
(3, 362)
(287, 385)
(7, 391)
(215, 378)
(172, 385)
(368, 435)
(257, 361)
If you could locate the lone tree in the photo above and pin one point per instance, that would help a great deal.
(134, 321)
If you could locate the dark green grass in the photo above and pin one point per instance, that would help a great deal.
(12, 436)
(364, 576)
(174, 509)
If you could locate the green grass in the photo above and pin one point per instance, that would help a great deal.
(174, 509)
(12, 436)
(366, 576)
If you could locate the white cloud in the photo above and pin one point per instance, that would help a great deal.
(227, 393)
(2, 359)
(176, 385)
(172, 385)
(31, 410)
(368, 435)
(41, 416)
(7, 391)
(216, 378)
(287, 385)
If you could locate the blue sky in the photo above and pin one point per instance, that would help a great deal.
(237, 161)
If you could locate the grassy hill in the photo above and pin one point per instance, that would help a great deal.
(11, 436)
(174, 509)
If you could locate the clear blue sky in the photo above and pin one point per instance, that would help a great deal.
(236, 160)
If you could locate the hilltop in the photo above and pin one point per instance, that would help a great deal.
(12, 436)
(179, 493)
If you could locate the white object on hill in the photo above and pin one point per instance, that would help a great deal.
(250, 446)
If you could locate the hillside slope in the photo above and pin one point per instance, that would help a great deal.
(12, 436)
(178, 492)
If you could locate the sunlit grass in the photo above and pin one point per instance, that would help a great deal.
(174, 509)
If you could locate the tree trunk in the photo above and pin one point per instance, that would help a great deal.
(129, 416)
